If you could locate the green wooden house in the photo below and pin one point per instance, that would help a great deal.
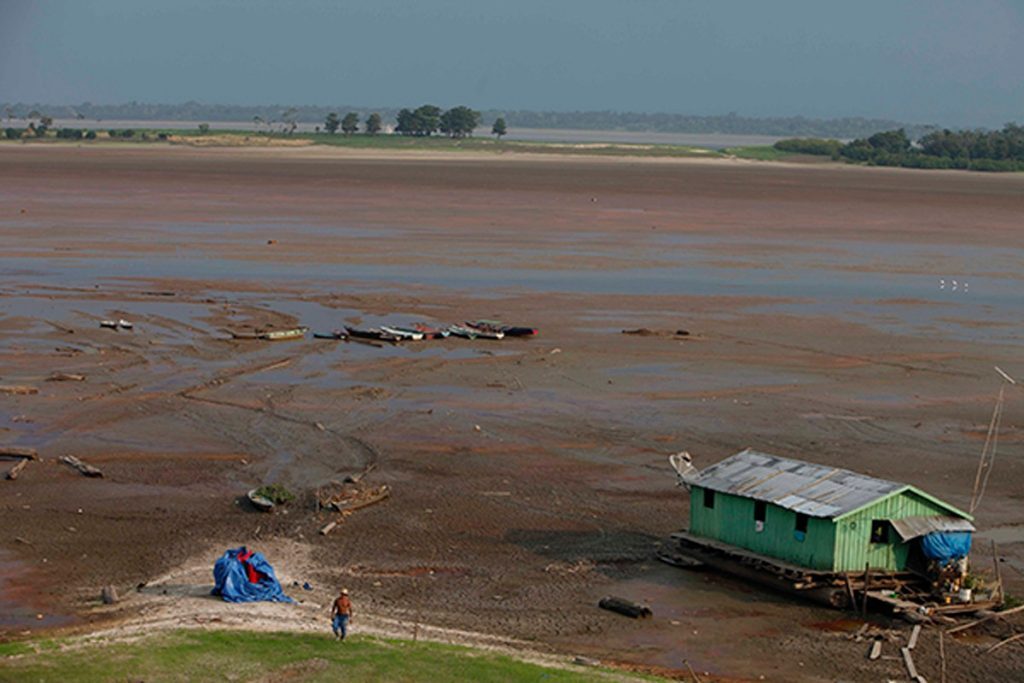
(814, 516)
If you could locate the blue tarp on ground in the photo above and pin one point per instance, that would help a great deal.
(946, 545)
(244, 576)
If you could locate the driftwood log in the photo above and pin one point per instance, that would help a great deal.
(13, 473)
(87, 470)
(18, 452)
(625, 607)
(65, 377)
(17, 389)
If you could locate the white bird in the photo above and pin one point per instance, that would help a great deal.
(942, 284)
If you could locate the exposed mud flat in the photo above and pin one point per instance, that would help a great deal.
(529, 477)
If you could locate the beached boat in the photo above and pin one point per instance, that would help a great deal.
(464, 332)
(284, 335)
(352, 501)
(431, 332)
(403, 333)
(259, 502)
(507, 330)
(334, 334)
(372, 333)
(485, 331)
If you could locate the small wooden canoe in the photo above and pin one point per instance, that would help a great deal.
(486, 331)
(372, 333)
(431, 332)
(259, 502)
(360, 499)
(507, 330)
(464, 332)
(402, 333)
(337, 335)
(284, 335)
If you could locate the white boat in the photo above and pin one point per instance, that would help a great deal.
(403, 334)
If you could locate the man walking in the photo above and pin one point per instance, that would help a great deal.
(341, 612)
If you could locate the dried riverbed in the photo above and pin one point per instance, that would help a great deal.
(529, 477)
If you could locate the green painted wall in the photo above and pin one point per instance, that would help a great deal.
(839, 546)
(732, 521)
(853, 536)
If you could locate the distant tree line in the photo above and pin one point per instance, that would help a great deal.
(793, 126)
(978, 150)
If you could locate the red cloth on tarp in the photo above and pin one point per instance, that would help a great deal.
(250, 571)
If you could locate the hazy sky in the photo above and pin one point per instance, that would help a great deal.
(953, 63)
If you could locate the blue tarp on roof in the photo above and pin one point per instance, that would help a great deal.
(946, 545)
(244, 576)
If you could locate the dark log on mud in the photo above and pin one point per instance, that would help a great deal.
(13, 473)
(65, 377)
(625, 607)
(85, 469)
(19, 452)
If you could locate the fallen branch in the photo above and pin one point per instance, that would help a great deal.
(85, 469)
(625, 607)
(19, 452)
(65, 377)
(1005, 641)
(20, 389)
(13, 473)
(329, 527)
(994, 615)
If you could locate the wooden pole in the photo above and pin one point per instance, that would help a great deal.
(867, 580)
(696, 678)
(942, 657)
(849, 592)
(999, 576)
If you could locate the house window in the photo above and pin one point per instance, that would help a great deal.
(709, 499)
(801, 522)
(760, 510)
(879, 531)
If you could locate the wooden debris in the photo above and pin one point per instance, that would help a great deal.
(19, 452)
(85, 469)
(585, 661)
(693, 674)
(356, 478)
(13, 473)
(625, 607)
(19, 389)
(988, 617)
(908, 661)
(913, 637)
(1005, 641)
(876, 650)
(65, 377)
(942, 657)
(329, 527)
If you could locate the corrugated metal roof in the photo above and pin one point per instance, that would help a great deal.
(814, 490)
(911, 527)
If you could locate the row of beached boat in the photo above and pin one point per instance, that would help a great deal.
(477, 329)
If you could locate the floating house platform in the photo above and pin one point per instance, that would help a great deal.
(829, 534)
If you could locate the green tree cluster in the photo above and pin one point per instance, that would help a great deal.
(332, 123)
(499, 128)
(374, 124)
(976, 150)
(458, 122)
(421, 122)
